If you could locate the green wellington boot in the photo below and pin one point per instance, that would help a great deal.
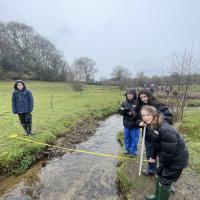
(29, 129)
(25, 129)
(164, 192)
(155, 195)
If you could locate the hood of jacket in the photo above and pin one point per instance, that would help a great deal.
(133, 92)
(19, 81)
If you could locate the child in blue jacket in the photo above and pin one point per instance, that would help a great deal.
(22, 104)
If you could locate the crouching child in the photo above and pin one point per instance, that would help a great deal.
(169, 146)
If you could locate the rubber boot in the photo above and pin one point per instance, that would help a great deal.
(25, 129)
(164, 192)
(29, 129)
(155, 195)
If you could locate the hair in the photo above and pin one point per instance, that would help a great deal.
(158, 117)
(152, 100)
(19, 81)
(133, 92)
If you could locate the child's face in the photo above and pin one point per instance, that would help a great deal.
(20, 86)
(129, 96)
(147, 116)
(144, 98)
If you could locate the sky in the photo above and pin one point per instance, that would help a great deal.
(141, 35)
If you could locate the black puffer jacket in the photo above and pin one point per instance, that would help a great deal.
(170, 147)
(165, 111)
(129, 121)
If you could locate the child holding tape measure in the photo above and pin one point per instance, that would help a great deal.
(169, 146)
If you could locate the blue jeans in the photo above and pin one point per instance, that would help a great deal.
(131, 139)
(151, 166)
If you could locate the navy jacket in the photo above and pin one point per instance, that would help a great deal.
(22, 101)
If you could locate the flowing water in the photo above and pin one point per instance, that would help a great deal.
(74, 175)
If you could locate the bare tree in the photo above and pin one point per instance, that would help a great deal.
(120, 72)
(18, 36)
(23, 51)
(121, 75)
(182, 67)
(85, 66)
(141, 80)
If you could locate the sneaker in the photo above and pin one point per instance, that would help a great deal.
(25, 133)
(148, 173)
(132, 155)
(126, 152)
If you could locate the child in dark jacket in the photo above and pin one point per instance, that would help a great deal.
(169, 146)
(22, 104)
(131, 130)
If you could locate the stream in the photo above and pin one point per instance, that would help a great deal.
(74, 175)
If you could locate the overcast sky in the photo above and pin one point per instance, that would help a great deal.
(138, 34)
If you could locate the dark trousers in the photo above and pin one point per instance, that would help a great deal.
(168, 175)
(25, 118)
(151, 166)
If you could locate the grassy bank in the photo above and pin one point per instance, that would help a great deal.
(56, 109)
(191, 129)
(133, 186)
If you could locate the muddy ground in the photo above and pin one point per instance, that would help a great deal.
(78, 133)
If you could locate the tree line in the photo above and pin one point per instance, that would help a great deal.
(26, 54)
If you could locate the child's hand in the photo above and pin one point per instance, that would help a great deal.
(129, 113)
(151, 160)
(142, 124)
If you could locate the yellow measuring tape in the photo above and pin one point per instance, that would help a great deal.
(14, 136)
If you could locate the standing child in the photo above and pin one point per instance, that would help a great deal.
(131, 130)
(22, 104)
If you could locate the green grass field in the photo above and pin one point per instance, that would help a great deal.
(67, 108)
(195, 88)
(191, 129)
